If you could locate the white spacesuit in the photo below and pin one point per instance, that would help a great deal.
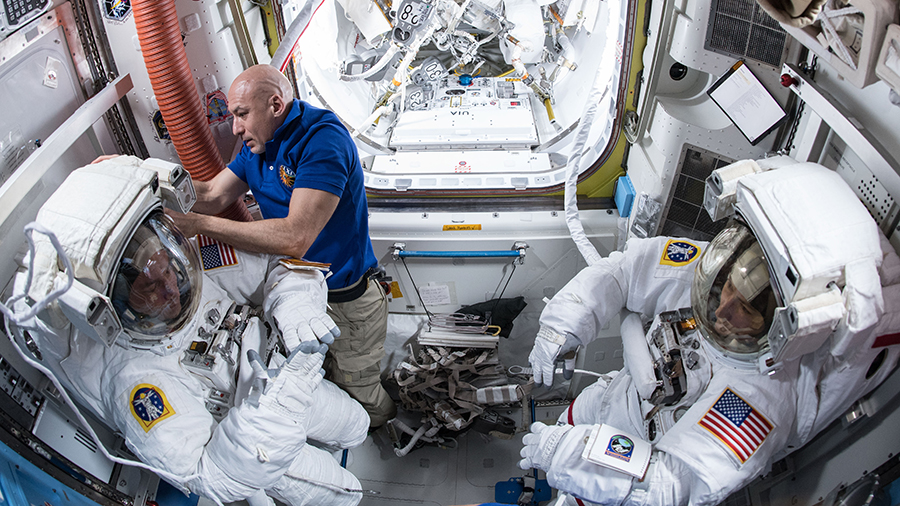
(176, 362)
(757, 341)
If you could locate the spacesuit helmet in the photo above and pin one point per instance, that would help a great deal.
(732, 296)
(156, 286)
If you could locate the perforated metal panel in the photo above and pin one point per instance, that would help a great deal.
(859, 177)
(684, 215)
(740, 28)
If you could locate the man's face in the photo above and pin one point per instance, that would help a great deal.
(254, 116)
(155, 290)
(735, 315)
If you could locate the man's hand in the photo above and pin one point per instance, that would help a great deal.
(543, 361)
(103, 158)
(188, 224)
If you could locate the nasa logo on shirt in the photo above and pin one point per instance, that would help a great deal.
(620, 447)
(287, 176)
(149, 405)
(678, 253)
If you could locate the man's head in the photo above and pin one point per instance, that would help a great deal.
(157, 285)
(748, 278)
(154, 290)
(732, 294)
(260, 99)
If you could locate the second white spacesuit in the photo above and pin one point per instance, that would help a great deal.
(758, 341)
(185, 381)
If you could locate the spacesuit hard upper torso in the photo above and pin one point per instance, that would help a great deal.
(732, 422)
(169, 410)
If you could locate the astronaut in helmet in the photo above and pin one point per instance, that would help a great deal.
(209, 364)
(152, 291)
(757, 341)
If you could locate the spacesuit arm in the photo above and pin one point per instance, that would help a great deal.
(667, 480)
(558, 450)
(643, 279)
(294, 300)
(589, 300)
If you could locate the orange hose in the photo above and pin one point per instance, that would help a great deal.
(175, 91)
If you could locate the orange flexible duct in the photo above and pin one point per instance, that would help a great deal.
(176, 94)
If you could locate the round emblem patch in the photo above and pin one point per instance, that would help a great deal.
(621, 445)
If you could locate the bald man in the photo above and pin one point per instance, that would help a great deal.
(303, 169)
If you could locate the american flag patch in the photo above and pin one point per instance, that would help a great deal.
(737, 424)
(215, 254)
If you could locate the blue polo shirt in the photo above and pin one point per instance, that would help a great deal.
(312, 149)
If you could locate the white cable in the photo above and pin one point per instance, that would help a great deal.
(412, 442)
(377, 113)
(41, 304)
(518, 370)
(599, 94)
(69, 402)
(380, 64)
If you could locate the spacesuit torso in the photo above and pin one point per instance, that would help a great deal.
(731, 420)
(168, 402)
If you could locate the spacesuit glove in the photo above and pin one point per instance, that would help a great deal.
(302, 320)
(296, 301)
(540, 445)
(289, 389)
(548, 346)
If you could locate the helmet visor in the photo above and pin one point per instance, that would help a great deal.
(732, 296)
(157, 285)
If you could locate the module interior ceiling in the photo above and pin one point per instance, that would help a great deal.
(465, 94)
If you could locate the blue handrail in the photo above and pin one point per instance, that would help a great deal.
(458, 254)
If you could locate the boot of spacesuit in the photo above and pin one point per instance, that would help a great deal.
(171, 351)
(758, 340)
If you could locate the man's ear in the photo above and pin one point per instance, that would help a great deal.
(279, 105)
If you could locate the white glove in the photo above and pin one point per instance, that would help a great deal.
(295, 302)
(548, 345)
(289, 389)
(540, 445)
(299, 321)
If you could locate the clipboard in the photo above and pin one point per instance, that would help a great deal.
(746, 102)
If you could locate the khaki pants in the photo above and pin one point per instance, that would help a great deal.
(354, 359)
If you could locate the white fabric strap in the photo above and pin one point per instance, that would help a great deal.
(548, 334)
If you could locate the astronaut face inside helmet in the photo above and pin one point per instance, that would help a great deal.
(732, 295)
(157, 286)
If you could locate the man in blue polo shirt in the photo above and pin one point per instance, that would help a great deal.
(304, 171)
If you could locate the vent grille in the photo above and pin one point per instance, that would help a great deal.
(85, 439)
(684, 216)
(740, 28)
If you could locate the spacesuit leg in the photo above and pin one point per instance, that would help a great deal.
(316, 478)
(335, 419)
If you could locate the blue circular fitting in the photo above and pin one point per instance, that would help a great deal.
(465, 80)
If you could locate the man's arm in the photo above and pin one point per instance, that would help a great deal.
(309, 211)
(215, 195)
